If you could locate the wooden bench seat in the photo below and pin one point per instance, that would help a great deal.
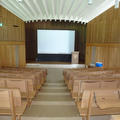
(99, 102)
(11, 103)
(27, 80)
(39, 70)
(115, 117)
(38, 76)
(68, 72)
(96, 91)
(21, 76)
(42, 70)
(86, 76)
(25, 86)
(80, 85)
(75, 76)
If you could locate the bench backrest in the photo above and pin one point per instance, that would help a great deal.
(21, 84)
(5, 99)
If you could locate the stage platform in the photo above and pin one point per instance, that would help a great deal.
(54, 65)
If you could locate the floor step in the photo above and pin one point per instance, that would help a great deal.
(53, 98)
(52, 111)
(51, 118)
(53, 87)
(54, 90)
(54, 84)
(53, 103)
(37, 65)
(56, 94)
(57, 118)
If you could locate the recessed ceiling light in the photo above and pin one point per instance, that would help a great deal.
(19, 1)
(90, 2)
(1, 24)
(116, 3)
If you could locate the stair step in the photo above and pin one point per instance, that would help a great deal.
(53, 103)
(52, 111)
(51, 118)
(53, 87)
(55, 84)
(56, 94)
(53, 98)
(106, 117)
(54, 90)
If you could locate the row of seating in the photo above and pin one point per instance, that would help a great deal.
(18, 86)
(96, 90)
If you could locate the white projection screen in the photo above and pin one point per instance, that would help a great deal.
(55, 41)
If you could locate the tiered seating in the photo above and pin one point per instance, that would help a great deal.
(27, 80)
(89, 86)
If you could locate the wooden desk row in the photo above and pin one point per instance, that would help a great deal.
(96, 91)
(18, 86)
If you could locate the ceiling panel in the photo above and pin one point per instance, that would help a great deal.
(71, 10)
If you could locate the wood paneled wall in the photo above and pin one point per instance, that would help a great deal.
(103, 39)
(31, 36)
(12, 40)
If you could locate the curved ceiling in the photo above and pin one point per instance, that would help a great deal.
(72, 10)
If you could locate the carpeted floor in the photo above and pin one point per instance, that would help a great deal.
(53, 102)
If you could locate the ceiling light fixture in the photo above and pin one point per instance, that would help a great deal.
(19, 1)
(116, 3)
(1, 24)
(90, 2)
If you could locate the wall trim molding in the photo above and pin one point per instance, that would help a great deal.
(103, 44)
(12, 42)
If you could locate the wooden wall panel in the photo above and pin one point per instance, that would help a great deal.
(103, 33)
(108, 55)
(31, 36)
(105, 28)
(12, 55)
(12, 40)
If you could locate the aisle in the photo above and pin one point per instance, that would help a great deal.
(53, 101)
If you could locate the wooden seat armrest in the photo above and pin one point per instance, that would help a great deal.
(86, 102)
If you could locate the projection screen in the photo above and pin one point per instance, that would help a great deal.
(55, 41)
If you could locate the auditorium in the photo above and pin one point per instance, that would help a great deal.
(59, 59)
